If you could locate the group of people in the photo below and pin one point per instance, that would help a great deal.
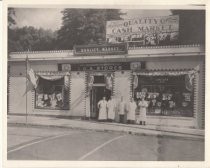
(108, 110)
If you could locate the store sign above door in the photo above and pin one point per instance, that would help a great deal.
(100, 67)
(104, 49)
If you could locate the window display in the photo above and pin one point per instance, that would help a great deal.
(52, 94)
(166, 95)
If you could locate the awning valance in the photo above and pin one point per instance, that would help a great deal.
(51, 78)
(52, 75)
(165, 73)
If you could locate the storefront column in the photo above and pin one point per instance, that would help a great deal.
(87, 97)
(196, 100)
(77, 94)
(200, 93)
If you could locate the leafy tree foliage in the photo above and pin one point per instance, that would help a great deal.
(11, 17)
(30, 38)
(191, 25)
(84, 26)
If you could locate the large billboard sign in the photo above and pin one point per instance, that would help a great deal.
(147, 31)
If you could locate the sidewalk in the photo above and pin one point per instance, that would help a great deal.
(105, 126)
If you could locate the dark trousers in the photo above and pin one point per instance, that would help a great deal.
(102, 120)
(121, 118)
(110, 120)
(131, 122)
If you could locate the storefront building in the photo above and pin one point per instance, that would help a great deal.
(71, 82)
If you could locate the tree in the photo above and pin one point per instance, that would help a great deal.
(84, 26)
(30, 38)
(11, 15)
(192, 26)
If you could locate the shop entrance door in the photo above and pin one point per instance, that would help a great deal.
(97, 93)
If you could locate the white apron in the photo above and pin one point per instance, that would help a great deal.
(102, 104)
(111, 105)
(131, 111)
(143, 110)
(122, 108)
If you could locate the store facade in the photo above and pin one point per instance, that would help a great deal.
(70, 83)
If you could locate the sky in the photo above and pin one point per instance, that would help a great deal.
(51, 18)
(47, 18)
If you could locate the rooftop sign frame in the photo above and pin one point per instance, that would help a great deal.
(147, 31)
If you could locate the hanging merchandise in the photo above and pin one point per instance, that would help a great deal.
(187, 97)
(140, 95)
(90, 81)
(153, 95)
(109, 81)
(189, 81)
(135, 81)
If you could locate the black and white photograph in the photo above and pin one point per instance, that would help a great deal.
(105, 83)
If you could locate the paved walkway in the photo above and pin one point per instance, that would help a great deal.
(105, 126)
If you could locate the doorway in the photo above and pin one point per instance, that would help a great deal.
(97, 93)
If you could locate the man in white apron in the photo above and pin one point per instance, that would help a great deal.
(102, 106)
(143, 104)
(131, 111)
(111, 106)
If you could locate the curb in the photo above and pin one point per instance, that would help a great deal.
(200, 133)
(152, 129)
(158, 133)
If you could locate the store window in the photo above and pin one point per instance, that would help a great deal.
(166, 95)
(52, 93)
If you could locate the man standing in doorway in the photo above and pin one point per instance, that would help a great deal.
(102, 106)
(122, 110)
(111, 106)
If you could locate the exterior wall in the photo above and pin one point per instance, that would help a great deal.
(44, 67)
(170, 65)
(171, 121)
(78, 91)
(17, 96)
(19, 69)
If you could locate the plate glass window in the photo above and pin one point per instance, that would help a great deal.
(51, 94)
(166, 95)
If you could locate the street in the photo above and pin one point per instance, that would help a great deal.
(40, 143)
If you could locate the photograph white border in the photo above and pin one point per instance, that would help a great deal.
(126, 4)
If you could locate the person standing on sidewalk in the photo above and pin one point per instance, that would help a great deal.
(102, 106)
(131, 111)
(122, 110)
(143, 104)
(111, 107)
